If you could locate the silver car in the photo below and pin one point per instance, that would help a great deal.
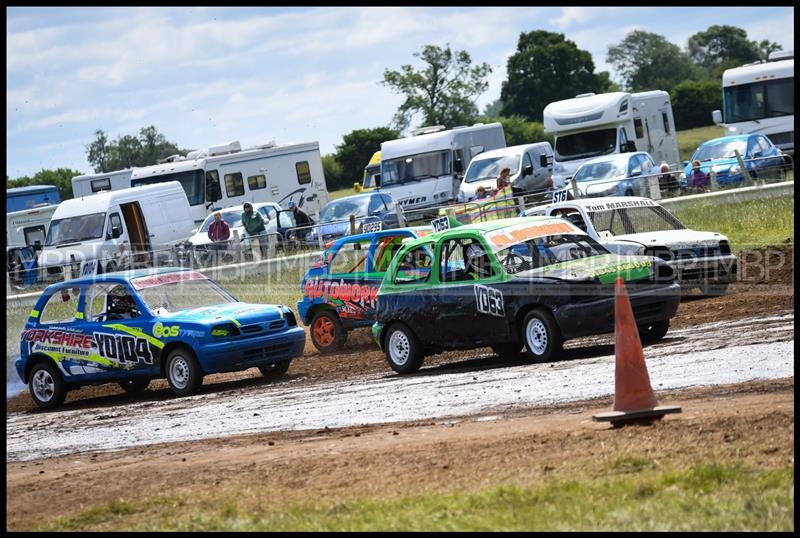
(619, 174)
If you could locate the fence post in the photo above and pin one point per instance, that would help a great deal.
(352, 224)
(712, 180)
(255, 247)
(270, 246)
(401, 218)
(575, 192)
(654, 188)
(319, 234)
(747, 179)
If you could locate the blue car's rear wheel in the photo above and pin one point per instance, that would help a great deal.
(47, 386)
(183, 373)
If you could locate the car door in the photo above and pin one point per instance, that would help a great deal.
(125, 344)
(349, 287)
(467, 302)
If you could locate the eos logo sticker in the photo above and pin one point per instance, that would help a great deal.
(160, 331)
(490, 300)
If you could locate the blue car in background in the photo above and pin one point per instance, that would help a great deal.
(761, 158)
(614, 175)
(21, 266)
(369, 208)
(132, 327)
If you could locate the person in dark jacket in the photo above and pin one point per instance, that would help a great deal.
(254, 225)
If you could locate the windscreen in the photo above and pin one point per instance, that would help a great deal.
(173, 297)
(586, 144)
(75, 229)
(232, 218)
(751, 102)
(721, 150)
(602, 170)
(415, 168)
(541, 252)
(481, 169)
(342, 209)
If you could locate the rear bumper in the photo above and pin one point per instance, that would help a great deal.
(597, 316)
(246, 353)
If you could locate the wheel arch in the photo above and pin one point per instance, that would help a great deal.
(168, 348)
(311, 312)
(519, 318)
(36, 358)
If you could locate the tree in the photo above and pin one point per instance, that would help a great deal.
(334, 179)
(647, 61)
(693, 101)
(767, 47)
(357, 148)
(444, 91)
(721, 43)
(519, 130)
(493, 109)
(61, 178)
(546, 68)
(129, 150)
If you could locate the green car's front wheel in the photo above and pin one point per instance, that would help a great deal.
(403, 350)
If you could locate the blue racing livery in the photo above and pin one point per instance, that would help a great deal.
(136, 326)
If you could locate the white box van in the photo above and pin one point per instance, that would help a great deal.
(425, 170)
(117, 229)
(530, 164)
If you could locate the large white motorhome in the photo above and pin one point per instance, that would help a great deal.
(425, 169)
(228, 175)
(590, 125)
(759, 98)
(29, 226)
(116, 228)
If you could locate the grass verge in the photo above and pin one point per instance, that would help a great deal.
(628, 493)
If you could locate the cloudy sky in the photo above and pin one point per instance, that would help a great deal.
(206, 76)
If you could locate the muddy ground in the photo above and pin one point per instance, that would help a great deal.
(751, 423)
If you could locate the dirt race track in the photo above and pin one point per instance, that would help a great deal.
(348, 425)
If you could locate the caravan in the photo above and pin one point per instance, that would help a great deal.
(591, 125)
(29, 226)
(425, 170)
(228, 175)
(116, 229)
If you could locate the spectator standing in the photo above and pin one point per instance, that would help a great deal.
(698, 180)
(219, 232)
(254, 225)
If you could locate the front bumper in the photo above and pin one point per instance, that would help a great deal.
(19, 364)
(596, 316)
(697, 271)
(241, 354)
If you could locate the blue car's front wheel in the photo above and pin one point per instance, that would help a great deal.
(274, 370)
(183, 372)
(47, 385)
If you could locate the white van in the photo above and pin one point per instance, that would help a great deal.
(425, 170)
(29, 226)
(530, 164)
(116, 229)
(591, 125)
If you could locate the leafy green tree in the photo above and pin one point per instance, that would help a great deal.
(443, 91)
(493, 109)
(60, 177)
(357, 148)
(647, 61)
(547, 67)
(519, 130)
(693, 101)
(145, 149)
(767, 47)
(334, 179)
(720, 43)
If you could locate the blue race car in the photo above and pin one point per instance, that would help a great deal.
(132, 327)
(339, 288)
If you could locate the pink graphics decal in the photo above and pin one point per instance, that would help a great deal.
(167, 278)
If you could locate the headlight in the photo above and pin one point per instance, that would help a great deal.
(224, 330)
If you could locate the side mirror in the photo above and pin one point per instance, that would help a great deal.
(528, 170)
(716, 116)
(630, 146)
(194, 230)
(37, 245)
(757, 154)
(116, 231)
(377, 180)
(458, 166)
(636, 172)
(685, 164)
(543, 161)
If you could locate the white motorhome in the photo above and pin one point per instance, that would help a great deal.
(228, 175)
(531, 165)
(590, 125)
(106, 181)
(116, 228)
(759, 98)
(29, 226)
(425, 169)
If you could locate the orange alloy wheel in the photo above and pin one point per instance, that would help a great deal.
(324, 331)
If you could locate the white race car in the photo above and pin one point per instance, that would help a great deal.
(634, 225)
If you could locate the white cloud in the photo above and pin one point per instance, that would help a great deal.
(570, 16)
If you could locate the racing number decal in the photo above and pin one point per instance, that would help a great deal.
(490, 300)
(369, 227)
(440, 224)
(559, 196)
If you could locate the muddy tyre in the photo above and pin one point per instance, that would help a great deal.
(275, 370)
(509, 350)
(327, 332)
(134, 386)
(653, 332)
(47, 386)
(541, 335)
(403, 350)
(183, 373)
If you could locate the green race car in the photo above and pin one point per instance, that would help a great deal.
(509, 283)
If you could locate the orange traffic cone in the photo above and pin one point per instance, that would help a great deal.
(634, 400)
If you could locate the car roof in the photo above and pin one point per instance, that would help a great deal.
(614, 156)
(484, 227)
(240, 207)
(730, 138)
(119, 276)
(360, 195)
(604, 200)
(383, 233)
